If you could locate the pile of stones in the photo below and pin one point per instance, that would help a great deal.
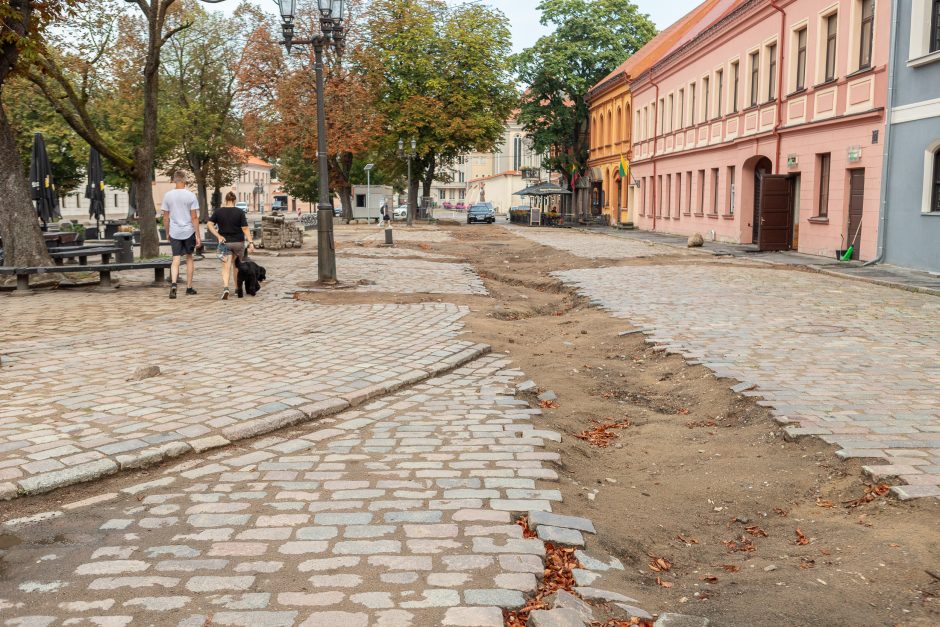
(277, 233)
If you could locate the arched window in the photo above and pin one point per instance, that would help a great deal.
(931, 196)
(619, 135)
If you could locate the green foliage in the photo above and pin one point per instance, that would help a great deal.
(591, 38)
(298, 175)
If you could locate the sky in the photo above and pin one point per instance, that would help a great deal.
(524, 17)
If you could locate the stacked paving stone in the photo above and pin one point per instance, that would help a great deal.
(278, 234)
(399, 513)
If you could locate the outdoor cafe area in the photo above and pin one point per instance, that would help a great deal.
(545, 208)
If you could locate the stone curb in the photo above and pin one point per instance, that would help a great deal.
(49, 481)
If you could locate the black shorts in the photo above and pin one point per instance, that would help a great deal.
(183, 246)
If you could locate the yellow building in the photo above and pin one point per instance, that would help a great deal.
(612, 121)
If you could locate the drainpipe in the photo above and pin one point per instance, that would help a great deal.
(886, 158)
(655, 133)
(780, 88)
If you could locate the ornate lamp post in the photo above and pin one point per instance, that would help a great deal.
(331, 34)
(409, 155)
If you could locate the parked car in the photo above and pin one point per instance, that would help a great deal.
(243, 206)
(400, 212)
(481, 212)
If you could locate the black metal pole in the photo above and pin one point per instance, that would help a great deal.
(326, 254)
(411, 207)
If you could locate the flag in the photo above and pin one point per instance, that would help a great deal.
(624, 167)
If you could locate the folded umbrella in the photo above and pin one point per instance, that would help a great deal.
(94, 190)
(40, 179)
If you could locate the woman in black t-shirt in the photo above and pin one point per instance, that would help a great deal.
(230, 225)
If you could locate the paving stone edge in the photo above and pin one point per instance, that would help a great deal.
(91, 471)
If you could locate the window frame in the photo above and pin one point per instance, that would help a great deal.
(831, 46)
(754, 95)
(736, 79)
(802, 37)
(868, 22)
(931, 194)
(716, 173)
(824, 167)
(692, 90)
(771, 71)
(706, 97)
(719, 92)
(933, 44)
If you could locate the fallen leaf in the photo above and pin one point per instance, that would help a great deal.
(800, 538)
(825, 551)
(549, 404)
(683, 411)
(664, 584)
(660, 564)
(601, 436)
(807, 563)
(744, 545)
(710, 579)
(781, 512)
(731, 568)
(871, 493)
(689, 541)
(824, 503)
(756, 531)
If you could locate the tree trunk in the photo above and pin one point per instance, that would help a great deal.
(428, 179)
(343, 170)
(202, 192)
(345, 199)
(144, 154)
(413, 199)
(23, 244)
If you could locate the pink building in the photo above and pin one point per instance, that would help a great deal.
(763, 125)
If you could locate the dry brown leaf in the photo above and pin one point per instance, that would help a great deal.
(800, 538)
(807, 563)
(659, 564)
(731, 568)
(743, 545)
(684, 411)
(682, 538)
(871, 493)
(781, 512)
(549, 404)
(824, 503)
(756, 531)
(825, 551)
(601, 436)
(710, 579)
(664, 584)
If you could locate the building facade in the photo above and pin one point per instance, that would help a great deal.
(911, 225)
(765, 124)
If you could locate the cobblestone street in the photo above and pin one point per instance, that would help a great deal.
(855, 364)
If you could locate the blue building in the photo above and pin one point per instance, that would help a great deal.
(909, 234)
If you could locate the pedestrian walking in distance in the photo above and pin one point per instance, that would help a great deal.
(180, 217)
(230, 225)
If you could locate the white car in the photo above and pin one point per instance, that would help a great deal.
(400, 212)
(243, 206)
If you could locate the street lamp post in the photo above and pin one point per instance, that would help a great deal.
(409, 155)
(368, 169)
(331, 34)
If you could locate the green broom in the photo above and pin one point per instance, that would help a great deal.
(851, 249)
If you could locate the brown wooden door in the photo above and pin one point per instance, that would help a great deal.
(856, 204)
(776, 217)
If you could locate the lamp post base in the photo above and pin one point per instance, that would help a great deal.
(326, 251)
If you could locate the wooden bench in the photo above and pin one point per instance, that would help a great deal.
(83, 253)
(104, 271)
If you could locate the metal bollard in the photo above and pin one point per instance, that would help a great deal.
(388, 236)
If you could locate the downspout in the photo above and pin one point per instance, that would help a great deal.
(780, 89)
(886, 158)
(655, 133)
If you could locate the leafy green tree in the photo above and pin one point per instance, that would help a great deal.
(445, 80)
(591, 38)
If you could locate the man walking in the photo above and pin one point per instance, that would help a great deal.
(180, 217)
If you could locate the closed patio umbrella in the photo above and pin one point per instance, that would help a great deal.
(40, 179)
(94, 191)
(132, 201)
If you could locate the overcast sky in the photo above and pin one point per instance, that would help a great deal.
(525, 18)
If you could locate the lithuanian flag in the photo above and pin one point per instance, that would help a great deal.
(624, 167)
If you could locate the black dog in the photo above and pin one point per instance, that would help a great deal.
(248, 277)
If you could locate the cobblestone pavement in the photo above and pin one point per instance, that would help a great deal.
(411, 234)
(591, 246)
(408, 276)
(395, 514)
(228, 370)
(391, 252)
(857, 365)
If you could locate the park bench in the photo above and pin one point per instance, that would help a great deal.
(82, 253)
(104, 271)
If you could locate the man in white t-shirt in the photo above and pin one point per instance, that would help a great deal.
(180, 218)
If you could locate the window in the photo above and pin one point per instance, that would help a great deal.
(662, 116)
(735, 67)
(935, 26)
(360, 200)
(461, 193)
(832, 23)
(442, 194)
(771, 71)
(517, 153)
(935, 183)
(715, 190)
(659, 203)
(729, 193)
(681, 108)
(865, 36)
(706, 97)
(801, 59)
(688, 192)
(719, 87)
(643, 196)
(672, 111)
(678, 193)
(755, 77)
(701, 192)
(692, 101)
(824, 163)
(460, 177)
(668, 197)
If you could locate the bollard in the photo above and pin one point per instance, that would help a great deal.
(388, 236)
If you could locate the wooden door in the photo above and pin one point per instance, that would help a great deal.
(776, 212)
(856, 204)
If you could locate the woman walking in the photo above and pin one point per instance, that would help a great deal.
(230, 225)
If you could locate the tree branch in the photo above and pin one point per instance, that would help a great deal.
(174, 31)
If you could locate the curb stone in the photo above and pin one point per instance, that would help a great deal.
(49, 481)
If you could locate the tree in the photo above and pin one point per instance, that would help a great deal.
(445, 80)
(591, 38)
(201, 68)
(124, 52)
(21, 22)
